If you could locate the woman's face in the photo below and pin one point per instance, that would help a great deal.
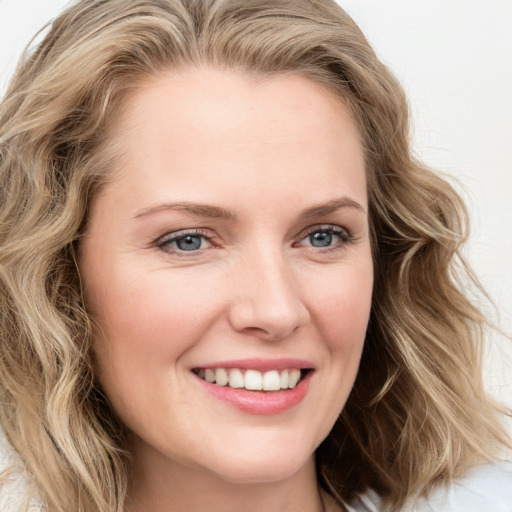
(232, 244)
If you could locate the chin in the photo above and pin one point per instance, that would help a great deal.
(265, 466)
(261, 474)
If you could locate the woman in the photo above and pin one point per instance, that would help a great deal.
(226, 283)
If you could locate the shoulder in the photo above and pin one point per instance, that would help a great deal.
(484, 488)
(14, 490)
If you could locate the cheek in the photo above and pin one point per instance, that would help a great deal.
(146, 320)
(340, 310)
(154, 316)
(145, 327)
(341, 306)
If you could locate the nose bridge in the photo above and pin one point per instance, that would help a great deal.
(267, 301)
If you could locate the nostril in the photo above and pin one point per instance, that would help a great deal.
(265, 322)
(267, 302)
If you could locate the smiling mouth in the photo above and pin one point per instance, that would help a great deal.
(253, 380)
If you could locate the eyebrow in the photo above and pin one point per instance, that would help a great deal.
(330, 207)
(196, 209)
(216, 212)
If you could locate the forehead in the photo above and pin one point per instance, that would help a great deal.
(218, 89)
(193, 125)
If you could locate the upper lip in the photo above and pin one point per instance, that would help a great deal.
(260, 364)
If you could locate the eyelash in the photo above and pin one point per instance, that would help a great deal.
(345, 236)
(165, 242)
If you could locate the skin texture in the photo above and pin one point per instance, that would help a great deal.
(263, 151)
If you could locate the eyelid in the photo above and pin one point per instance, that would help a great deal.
(344, 233)
(164, 241)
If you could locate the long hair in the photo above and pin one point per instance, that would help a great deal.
(418, 414)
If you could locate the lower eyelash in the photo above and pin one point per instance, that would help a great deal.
(345, 235)
(165, 241)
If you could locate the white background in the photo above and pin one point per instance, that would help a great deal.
(454, 58)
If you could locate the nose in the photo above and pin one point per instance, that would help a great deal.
(267, 303)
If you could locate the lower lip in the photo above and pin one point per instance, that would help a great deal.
(260, 402)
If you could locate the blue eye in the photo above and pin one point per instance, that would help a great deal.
(320, 239)
(328, 237)
(184, 242)
(189, 243)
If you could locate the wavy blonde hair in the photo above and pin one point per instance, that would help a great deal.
(418, 413)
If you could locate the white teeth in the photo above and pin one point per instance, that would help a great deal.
(293, 378)
(253, 380)
(271, 381)
(221, 376)
(284, 379)
(236, 378)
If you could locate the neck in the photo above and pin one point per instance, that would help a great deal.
(169, 486)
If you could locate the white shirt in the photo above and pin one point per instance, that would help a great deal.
(487, 488)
